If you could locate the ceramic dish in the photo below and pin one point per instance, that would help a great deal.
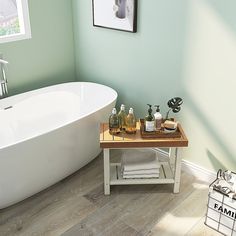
(167, 131)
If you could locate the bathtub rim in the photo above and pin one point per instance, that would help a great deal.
(66, 123)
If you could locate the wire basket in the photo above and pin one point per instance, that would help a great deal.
(221, 208)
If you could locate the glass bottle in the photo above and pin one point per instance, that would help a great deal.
(131, 122)
(149, 120)
(122, 117)
(158, 118)
(114, 124)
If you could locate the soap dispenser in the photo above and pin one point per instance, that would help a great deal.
(149, 122)
(122, 117)
(131, 122)
(114, 124)
(158, 118)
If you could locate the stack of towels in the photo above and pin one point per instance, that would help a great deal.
(139, 164)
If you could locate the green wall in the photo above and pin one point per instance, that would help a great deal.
(136, 65)
(48, 57)
(182, 48)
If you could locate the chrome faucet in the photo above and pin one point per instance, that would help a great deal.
(3, 79)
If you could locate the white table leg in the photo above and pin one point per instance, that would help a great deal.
(106, 153)
(177, 170)
(172, 158)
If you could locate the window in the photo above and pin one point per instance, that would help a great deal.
(14, 20)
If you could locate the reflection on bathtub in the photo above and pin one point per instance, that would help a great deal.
(115, 14)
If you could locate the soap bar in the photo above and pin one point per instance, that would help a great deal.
(171, 125)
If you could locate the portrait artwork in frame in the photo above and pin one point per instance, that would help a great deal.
(115, 14)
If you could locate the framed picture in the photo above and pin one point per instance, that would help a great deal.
(115, 14)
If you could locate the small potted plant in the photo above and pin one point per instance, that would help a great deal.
(174, 105)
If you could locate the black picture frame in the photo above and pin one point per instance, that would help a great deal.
(115, 14)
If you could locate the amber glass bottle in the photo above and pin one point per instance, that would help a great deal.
(122, 117)
(131, 122)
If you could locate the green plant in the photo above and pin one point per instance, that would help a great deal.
(174, 105)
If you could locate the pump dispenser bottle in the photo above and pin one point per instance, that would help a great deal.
(131, 122)
(114, 124)
(122, 117)
(149, 123)
(158, 118)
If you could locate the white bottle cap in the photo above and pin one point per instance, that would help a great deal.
(122, 107)
(113, 111)
(131, 111)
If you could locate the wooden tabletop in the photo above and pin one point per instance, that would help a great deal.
(123, 140)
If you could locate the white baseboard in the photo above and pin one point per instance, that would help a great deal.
(198, 171)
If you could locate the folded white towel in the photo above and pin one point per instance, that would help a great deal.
(141, 172)
(138, 159)
(141, 176)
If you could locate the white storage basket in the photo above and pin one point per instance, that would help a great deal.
(221, 210)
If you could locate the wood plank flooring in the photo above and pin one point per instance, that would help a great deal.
(77, 206)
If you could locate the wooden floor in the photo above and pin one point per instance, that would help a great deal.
(77, 206)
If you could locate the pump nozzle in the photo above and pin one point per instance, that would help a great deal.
(150, 109)
(157, 108)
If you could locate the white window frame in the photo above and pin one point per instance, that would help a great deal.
(24, 21)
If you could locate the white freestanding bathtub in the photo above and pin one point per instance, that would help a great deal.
(47, 134)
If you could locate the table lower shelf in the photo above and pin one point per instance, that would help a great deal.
(166, 176)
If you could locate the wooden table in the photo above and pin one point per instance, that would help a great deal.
(170, 170)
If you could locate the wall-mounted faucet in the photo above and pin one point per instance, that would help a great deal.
(3, 78)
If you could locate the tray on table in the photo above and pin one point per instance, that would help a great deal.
(158, 134)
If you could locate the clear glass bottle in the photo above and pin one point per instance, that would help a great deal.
(114, 124)
(122, 117)
(149, 122)
(131, 122)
